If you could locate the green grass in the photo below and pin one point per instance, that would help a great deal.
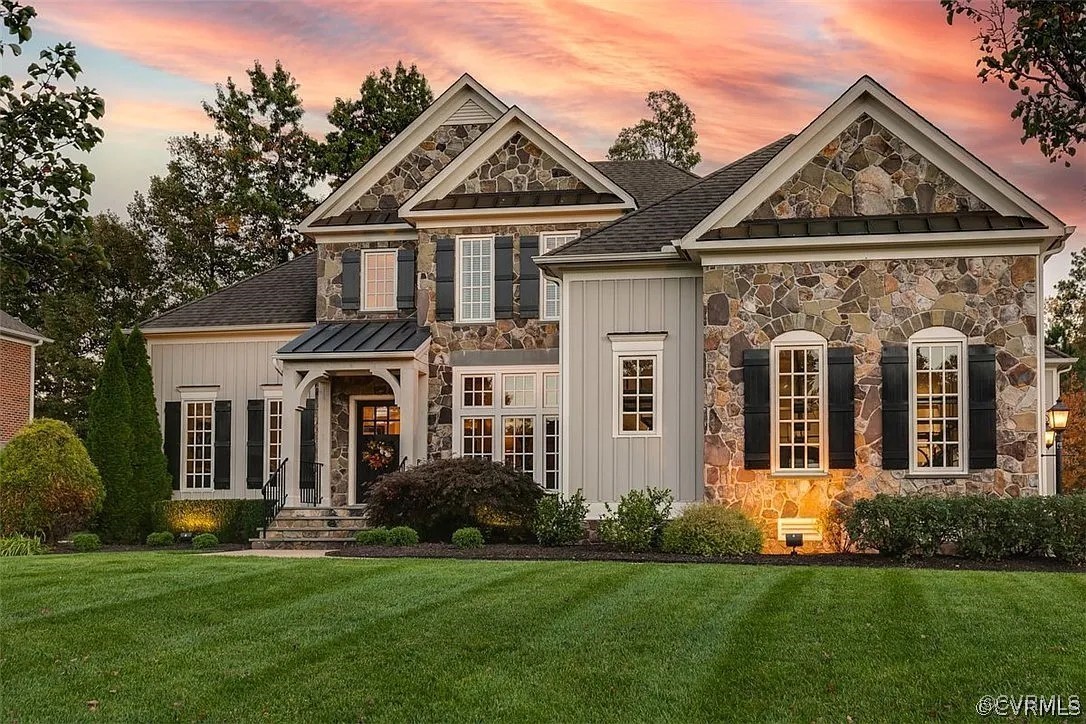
(169, 637)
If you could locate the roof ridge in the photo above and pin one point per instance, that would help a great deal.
(220, 290)
(672, 164)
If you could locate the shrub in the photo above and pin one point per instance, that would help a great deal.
(403, 535)
(639, 521)
(150, 479)
(232, 520)
(468, 538)
(900, 525)
(21, 545)
(834, 533)
(440, 496)
(709, 529)
(86, 542)
(372, 537)
(205, 541)
(48, 484)
(160, 539)
(559, 521)
(109, 442)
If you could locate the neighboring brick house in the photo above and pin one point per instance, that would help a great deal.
(17, 344)
(852, 309)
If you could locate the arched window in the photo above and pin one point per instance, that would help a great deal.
(938, 393)
(798, 403)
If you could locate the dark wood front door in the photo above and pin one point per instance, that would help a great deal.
(377, 443)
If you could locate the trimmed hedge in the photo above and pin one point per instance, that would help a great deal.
(711, 529)
(372, 536)
(160, 539)
(468, 538)
(232, 520)
(403, 535)
(977, 526)
(204, 541)
(86, 542)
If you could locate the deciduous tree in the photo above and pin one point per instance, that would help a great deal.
(669, 135)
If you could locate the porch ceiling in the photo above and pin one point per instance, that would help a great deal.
(398, 336)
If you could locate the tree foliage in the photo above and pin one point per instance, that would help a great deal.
(387, 102)
(150, 477)
(1066, 314)
(1037, 49)
(43, 191)
(109, 442)
(669, 135)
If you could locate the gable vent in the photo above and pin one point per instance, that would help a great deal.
(809, 527)
(470, 112)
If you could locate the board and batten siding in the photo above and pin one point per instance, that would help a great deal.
(238, 367)
(603, 466)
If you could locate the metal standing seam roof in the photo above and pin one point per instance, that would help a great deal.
(358, 337)
(361, 218)
(864, 225)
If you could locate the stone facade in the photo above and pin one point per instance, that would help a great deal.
(339, 463)
(419, 166)
(519, 165)
(867, 171)
(991, 300)
(330, 281)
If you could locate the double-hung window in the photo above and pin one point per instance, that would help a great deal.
(198, 437)
(379, 280)
(637, 359)
(475, 278)
(937, 385)
(798, 405)
(549, 240)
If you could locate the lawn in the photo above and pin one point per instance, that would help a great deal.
(174, 637)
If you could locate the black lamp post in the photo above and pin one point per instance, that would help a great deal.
(1057, 423)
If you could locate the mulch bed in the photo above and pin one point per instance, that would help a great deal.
(596, 552)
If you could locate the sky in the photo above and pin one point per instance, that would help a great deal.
(751, 71)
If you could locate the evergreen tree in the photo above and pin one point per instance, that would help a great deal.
(150, 479)
(109, 442)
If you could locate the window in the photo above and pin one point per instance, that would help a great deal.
(637, 361)
(550, 452)
(475, 278)
(798, 405)
(937, 383)
(550, 389)
(479, 391)
(552, 303)
(379, 280)
(275, 433)
(478, 437)
(519, 443)
(199, 444)
(519, 390)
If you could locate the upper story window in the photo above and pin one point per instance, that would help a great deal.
(379, 280)
(548, 240)
(475, 278)
(798, 403)
(637, 361)
(937, 384)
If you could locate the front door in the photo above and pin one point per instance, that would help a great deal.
(377, 443)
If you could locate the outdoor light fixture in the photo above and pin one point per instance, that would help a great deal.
(1057, 415)
(1050, 437)
(793, 541)
(1056, 423)
(185, 538)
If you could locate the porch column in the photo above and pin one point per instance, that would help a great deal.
(422, 415)
(292, 440)
(408, 403)
(324, 436)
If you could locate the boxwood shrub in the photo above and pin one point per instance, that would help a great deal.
(372, 536)
(403, 535)
(232, 520)
(160, 539)
(710, 529)
(468, 538)
(86, 542)
(205, 541)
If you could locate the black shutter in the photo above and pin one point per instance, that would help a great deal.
(222, 444)
(405, 281)
(895, 407)
(982, 408)
(308, 448)
(352, 279)
(446, 287)
(842, 413)
(529, 277)
(254, 447)
(756, 409)
(171, 439)
(503, 277)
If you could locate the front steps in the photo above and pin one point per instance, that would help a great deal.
(312, 527)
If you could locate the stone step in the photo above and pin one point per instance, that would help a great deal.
(263, 544)
(322, 512)
(322, 522)
(309, 534)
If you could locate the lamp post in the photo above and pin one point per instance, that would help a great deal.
(1057, 423)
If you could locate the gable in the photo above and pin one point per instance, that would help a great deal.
(867, 170)
(519, 165)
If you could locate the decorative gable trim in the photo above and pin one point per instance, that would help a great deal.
(868, 97)
(448, 104)
(471, 112)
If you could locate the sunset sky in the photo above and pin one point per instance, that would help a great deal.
(751, 71)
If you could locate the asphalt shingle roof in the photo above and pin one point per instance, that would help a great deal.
(647, 180)
(649, 228)
(284, 294)
(396, 335)
(15, 326)
(516, 199)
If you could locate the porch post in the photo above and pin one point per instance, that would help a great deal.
(408, 417)
(292, 439)
(422, 415)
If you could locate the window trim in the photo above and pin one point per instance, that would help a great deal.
(187, 400)
(940, 336)
(544, 236)
(458, 263)
(639, 345)
(799, 339)
(535, 390)
(272, 395)
(366, 253)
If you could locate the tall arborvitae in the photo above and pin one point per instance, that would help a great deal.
(150, 479)
(109, 442)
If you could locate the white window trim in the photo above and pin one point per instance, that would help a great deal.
(799, 339)
(945, 336)
(543, 281)
(371, 252)
(191, 397)
(641, 345)
(458, 263)
(269, 395)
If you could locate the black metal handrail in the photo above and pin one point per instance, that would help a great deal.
(309, 482)
(403, 463)
(275, 494)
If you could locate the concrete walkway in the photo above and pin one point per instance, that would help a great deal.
(274, 553)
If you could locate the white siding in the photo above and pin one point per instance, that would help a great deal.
(605, 467)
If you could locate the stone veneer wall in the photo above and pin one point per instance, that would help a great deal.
(862, 304)
(519, 165)
(419, 166)
(330, 280)
(867, 171)
(339, 464)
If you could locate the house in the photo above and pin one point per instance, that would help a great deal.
(17, 344)
(852, 309)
